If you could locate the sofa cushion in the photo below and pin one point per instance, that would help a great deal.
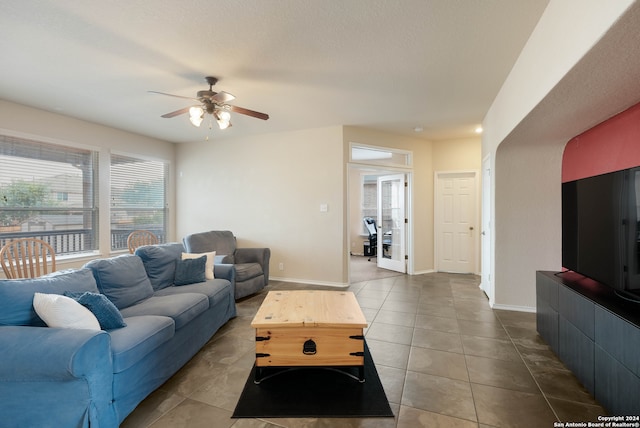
(104, 310)
(181, 307)
(16, 295)
(246, 271)
(211, 257)
(63, 312)
(159, 262)
(190, 271)
(122, 279)
(141, 336)
(215, 289)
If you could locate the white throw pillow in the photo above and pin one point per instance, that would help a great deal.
(63, 312)
(208, 268)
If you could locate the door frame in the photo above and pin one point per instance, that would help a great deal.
(436, 223)
(486, 253)
(350, 199)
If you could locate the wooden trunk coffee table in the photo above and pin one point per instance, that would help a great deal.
(309, 328)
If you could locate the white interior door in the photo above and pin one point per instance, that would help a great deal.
(455, 219)
(391, 223)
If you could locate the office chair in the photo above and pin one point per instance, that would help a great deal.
(370, 224)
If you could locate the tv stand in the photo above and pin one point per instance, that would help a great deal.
(595, 333)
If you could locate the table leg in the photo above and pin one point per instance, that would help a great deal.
(257, 375)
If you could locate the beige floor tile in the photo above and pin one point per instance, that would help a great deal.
(438, 363)
(439, 395)
(444, 357)
(507, 408)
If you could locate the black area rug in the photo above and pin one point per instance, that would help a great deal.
(314, 393)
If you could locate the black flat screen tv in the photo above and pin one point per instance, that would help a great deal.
(600, 239)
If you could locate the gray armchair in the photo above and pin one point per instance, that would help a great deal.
(251, 264)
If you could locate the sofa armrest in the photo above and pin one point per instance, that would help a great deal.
(255, 255)
(40, 362)
(225, 271)
(36, 353)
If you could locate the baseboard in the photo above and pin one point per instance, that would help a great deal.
(514, 308)
(309, 281)
(422, 272)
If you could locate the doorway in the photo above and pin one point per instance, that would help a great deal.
(364, 262)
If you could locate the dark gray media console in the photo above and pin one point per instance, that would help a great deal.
(595, 333)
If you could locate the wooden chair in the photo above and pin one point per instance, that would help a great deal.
(27, 258)
(138, 238)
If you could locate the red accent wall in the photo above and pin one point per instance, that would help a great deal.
(610, 146)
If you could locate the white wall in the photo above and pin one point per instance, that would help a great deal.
(566, 79)
(267, 189)
(457, 155)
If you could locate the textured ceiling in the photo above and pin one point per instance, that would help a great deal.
(388, 65)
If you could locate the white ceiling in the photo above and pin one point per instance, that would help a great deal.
(388, 65)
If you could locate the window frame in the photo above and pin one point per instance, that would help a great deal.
(67, 242)
(117, 241)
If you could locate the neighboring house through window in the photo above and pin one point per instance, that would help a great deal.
(49, 192)
(138, 198)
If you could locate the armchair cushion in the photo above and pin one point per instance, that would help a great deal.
(221, 241)
(245, 271)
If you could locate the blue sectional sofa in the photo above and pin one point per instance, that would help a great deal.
(63, 377)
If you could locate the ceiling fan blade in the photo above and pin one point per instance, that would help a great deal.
(171, 95)
(223, 97)
(248, 112)
(176, 113)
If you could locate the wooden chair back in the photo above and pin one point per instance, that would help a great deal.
(27, 258)
(138, 238)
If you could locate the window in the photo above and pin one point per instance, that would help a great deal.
(374, 155)
(138, 198)
(33, 176)
(369, 199)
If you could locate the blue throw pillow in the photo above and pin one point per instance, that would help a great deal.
(190, 271)
(104, 310)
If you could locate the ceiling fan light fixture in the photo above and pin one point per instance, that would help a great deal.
(223, 118)
(196, 115)
(213, 103)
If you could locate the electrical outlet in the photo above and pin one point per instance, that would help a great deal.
(281, 266)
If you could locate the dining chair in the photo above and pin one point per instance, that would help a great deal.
(138, 238)
(27, 258)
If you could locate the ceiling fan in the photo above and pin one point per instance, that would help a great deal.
(213, 103)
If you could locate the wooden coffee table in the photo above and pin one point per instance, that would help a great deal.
(309, 328)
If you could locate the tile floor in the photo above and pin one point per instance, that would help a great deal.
(444, 357)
